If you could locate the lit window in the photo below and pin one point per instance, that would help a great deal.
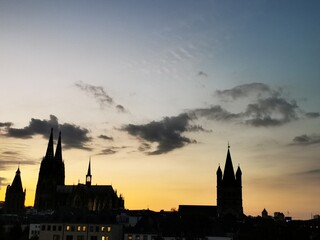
(103, 228)
(104, 238)
(137, 237)
(68, 228)
(84, 228)
(109, 229)
(129, 237)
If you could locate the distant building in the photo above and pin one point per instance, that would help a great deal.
(52, 193)
(15, 196)
(264, 213)
(229, 190)
(80, 231)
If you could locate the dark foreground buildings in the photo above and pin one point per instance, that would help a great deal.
(52, 193)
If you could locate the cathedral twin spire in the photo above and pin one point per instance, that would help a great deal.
(50, 150)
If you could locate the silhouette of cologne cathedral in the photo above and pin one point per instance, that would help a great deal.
(15, 196)
(229, 190)
(52, 193)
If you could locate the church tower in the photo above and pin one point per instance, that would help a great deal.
(89, 176)
(229, 190)
(15, 196)
(51, 175)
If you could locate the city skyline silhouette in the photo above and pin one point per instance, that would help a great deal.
(153, 93)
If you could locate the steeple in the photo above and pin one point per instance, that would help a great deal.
(17, 183)
(228, 174)
(49, 154)
(89, 176)
(15, 196)
(58, 155)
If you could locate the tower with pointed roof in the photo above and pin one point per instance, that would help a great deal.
(51, 175)
(15, 196)
(89, 176)
(229, 190)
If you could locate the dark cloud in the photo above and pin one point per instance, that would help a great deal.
(105, 137)
(272, 111)
(100, 95)
(72, 136)
(107, 151)
(312, 114)
(313, 173)
(202, 74)
(306, 139)
(5, 124)
(144, 147)
(167, 133)
(244, 90)
(120, 108)
(215, 113)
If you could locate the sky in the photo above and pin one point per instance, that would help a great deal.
(153, 92)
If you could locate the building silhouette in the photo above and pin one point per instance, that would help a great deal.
(229, 190)
(51, 175)
(15, 196)
(52, 193)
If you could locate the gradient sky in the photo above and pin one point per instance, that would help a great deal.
(153, 91)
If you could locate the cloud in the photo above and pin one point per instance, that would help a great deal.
(5, 162)
(244, 90)
(306, 139)
(3, 182)
(5, 124)
(72, 136)
(202, 74)
(215, 113)
(105, 137)
(312, 114)
(272, 111)
(107, 151)
(167, 133)
(99, 94)
(120, 108)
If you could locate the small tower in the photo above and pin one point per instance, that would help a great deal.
(229, 190)
(15, 196)
(89, 176)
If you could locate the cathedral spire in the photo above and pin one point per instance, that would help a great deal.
(49, 154)
(228, 174)
(58, 155)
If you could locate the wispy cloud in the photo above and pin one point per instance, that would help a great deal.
(100, 95)
(244, 90)
(306, 139)
(105, 137)
(312, 114)
(73, 136)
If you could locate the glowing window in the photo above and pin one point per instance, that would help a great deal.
(109, 229)
(68, 228)
(104, 238)
(84, 228)
(103, 228)
(129, 237)
(78, 228)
